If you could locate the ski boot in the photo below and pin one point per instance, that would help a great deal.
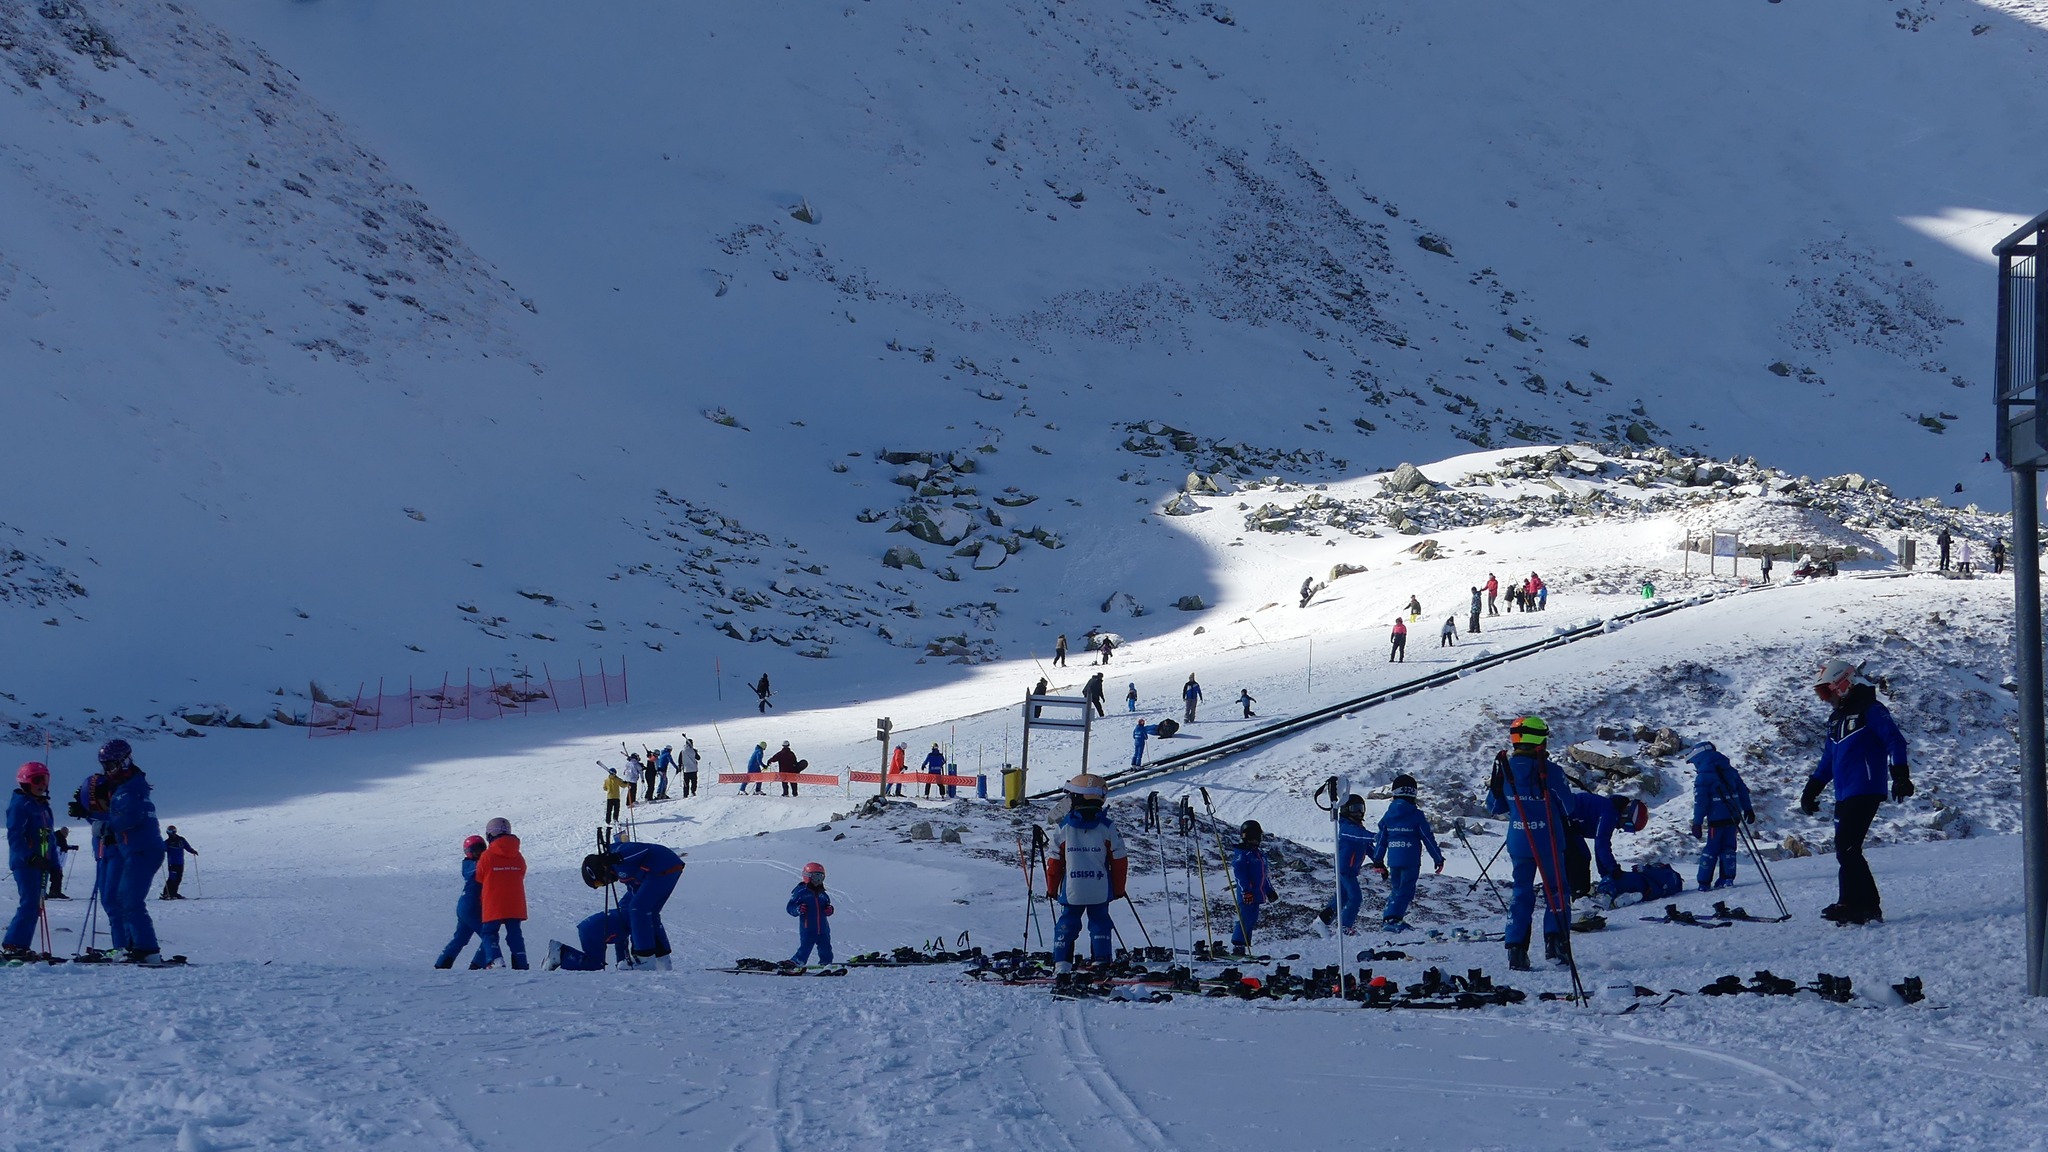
(150, 958)
(1557, 946)
(445, 964)
(1392, 926)
(553, 959)
(1518, 958)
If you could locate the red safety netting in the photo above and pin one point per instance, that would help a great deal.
(481, 694)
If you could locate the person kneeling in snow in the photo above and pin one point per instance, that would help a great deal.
(1084, 870)
(649, 872)
(812, 907)
(1404, 834)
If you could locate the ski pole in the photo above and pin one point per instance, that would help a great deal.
(1547, 866)
(1038, 845)
(1756, 857)
(1165, 871)
(1201, 869)
(1459, 829)
(1030, 895)
(1139, 919)
(1229, 873)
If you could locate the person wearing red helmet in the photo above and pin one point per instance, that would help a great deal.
(469, 910)
(812, 907)
(28, 855)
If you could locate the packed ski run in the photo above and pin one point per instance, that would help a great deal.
(1190, 578)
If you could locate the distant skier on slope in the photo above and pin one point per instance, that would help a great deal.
(689, 760)
(1492, 591)
(755, 766)
(897, 757)
(812, 907)
(1404, 835)
(1092, 693)
(1059, 651)
(1473, 625)
(762, 692)
(1131, 698)
(1138, 736)
(1254, 885)
(1308, 589)
(469, 910)
(1719, 799)
(664, 763)
(613, 789)
(1447, 636)
(934, 765)
(1414, 609)
(175, 847)
(1190, 695)
(1245, 700)
(1399, 652)
(633, 774)
(1085, 868)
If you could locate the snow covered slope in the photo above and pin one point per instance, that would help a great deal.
(340, 328)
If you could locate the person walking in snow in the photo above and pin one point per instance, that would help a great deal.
(812, 907)
(1107, 646)
(1998, 555)
(1542, 597)
(934, 765)
(1138, 736)
(1059, 653)
(501, 896)
(649, 872)
(1719, 799)
(1399, 653)
(175, 847)
(1254, 884)
(613, 789)
(1308, 589)
(1085, 869)
(689, 760)
(1092, 692)
(1414, 609)
(1245, 700)
(664, 763)
(762, 692)
(1447, 636)
(786, 763)
(1531, 792)
(897, 758)
(1767, 567)
(1473, 626)
(1942, 540)
(1190, 695)
(1404, 835)
(469, 910)
(755, 764)
(137, 849)
(1131, 698)
(1863, 745)
(1492, 591)
(28, 855)
(1355, 845)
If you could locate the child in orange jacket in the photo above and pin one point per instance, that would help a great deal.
(502, 873)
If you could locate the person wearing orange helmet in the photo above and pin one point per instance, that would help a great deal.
(812, 907)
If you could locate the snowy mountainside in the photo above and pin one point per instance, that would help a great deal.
(1083, 252)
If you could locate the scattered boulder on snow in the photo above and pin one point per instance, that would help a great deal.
(902, 557)
(1665, 743)
(1342, 570)
(949, 836)
(990, 555)
(1203, 484)
(922, 830)
(1795, 847)
(1190, 604)
(1602, 755)
(1405, 479)
(1123, 603)
(1183, 505)
(1425, 549)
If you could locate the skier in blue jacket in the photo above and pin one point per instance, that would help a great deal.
(1138, 736)
(1863, 746)
(90, 805)
(1404, 835)
(138, 847)
(1719, 799)
(28, 855)
(1597, 818)
(649, 872)
(812, 907)
(755, 765)
(1254, 885)
(1531, 793)
(469, 909)
(1355, 845)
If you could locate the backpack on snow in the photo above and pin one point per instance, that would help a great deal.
(1166, 727)
(1647, 882)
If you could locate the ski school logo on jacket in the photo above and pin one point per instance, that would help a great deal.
(1845, 727)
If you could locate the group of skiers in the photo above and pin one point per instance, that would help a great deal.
(934, 764)
(1103, 643)
(651, 774)
(128, 848)
(1531, 595)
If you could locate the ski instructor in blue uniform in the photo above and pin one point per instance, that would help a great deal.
(137, 849)
(1531, 792)
(1863, 747)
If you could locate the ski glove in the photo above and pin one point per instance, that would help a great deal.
(77, 811)
(1902, 784)
(1809, 800)
(1439, 867)
(1696, 830)
(1748, 817)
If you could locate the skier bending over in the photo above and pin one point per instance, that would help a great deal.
(1254, 884)
(1404, 834)
(1595, 817)
(649, 872)
(1084, 870)
(469, 910)
(1719, 798)
(812, 907)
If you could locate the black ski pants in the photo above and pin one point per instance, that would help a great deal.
(611, 810)
(689, 783)
(1852, 826)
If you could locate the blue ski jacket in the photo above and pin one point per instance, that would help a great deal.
(131, 816)
(1531, 792)
(1404, 833)
(754, 761)
(1595, 817)
(1863, 746)
(1191, 691)
(175, 847)
(1254, 886)
(812, 911)
(1355, 845)
(28, 831)
(636, 863)
(1718, 794)
(935, 761)
(667, 760)
(469, 907)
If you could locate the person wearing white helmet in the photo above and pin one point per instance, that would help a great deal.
(1863, 747)
(786, 763)
(1085, 869)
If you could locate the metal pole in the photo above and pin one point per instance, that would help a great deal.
(2026, 571)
